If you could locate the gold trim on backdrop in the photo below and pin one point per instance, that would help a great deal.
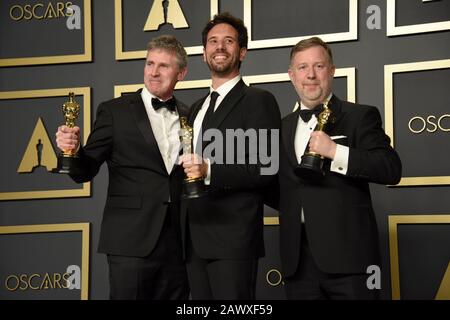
(62, 227)
(393, 222)
(352, 34)
(271, 221)
(389, 71)
(84, 57)
(141, 54)
(444, 288)
(393, 30)
(85, 191)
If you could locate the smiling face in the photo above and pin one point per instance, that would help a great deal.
(162, 72)
(311, 73)
(222, 52)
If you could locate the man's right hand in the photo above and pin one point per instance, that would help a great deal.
(68, 139)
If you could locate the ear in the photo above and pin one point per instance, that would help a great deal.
(181, 74)
(291, 74)
(242, 53)
(332, 70)
(204, 55)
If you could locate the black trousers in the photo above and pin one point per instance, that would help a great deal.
(311, 283)
(159, 276)
(220, 279)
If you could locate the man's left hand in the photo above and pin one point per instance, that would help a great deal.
(194, 165)
(322, 144)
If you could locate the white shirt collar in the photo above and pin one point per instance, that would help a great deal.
(227, 86)
(147, 97)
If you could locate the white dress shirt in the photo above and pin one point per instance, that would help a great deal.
(302, 134)
(165, 125)
(223, 90)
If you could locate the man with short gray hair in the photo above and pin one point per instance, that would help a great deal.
(137, 136)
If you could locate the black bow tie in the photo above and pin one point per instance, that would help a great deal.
(169, 104)
(306, 114)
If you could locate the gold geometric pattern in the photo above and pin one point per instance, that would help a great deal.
(61, 227)
(85, 191)
(393, 222)
(39, 151)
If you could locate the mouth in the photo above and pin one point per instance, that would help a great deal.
(310, 84)
(220, 57)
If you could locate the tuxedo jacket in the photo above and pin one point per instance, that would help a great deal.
(339, 219)
(139, 188)
(228, 223)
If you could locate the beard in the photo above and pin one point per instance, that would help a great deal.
(224, 68)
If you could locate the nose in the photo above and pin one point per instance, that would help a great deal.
(154, 71)
(220, 45)
(311, 73)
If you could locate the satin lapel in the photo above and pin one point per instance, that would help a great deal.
(227, 104)
(183, 110)
(289, 128)
(143, 122)
(195, 108)
(336, 114)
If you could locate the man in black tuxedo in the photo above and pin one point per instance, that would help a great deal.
(328, 229)
(224, 230)
(138, 137)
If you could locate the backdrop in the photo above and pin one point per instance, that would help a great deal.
(392, 54)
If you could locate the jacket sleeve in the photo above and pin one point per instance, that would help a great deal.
(98, 147)
(372, 158)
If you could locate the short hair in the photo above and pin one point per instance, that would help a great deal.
(309, 43)
(227, 18)
(171, 44)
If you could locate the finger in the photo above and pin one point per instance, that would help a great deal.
(187, 165)
(66, 129)
(197, 170)
(312, 147)
(67, 138)
(185, 158)
(190, 159)
(66, 146)
(197, 159)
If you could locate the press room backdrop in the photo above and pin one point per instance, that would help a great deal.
(393, 54)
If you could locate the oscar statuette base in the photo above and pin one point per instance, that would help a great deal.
(67, 164)
(310, 167)
(194, 188)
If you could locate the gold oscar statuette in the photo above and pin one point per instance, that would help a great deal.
(311, 165)
(67, 158)
(192, 187)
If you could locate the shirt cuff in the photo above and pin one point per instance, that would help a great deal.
(340, 162)
(208, 173)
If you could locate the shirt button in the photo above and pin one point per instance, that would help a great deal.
(340, 168)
